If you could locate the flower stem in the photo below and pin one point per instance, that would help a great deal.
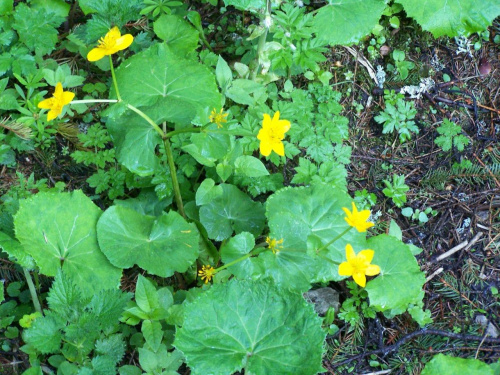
(32, 289)
(87, 101)
(148, 119)
(114, 79)
(180, 131)
(332, 241)
(173, 173)
(256, 251)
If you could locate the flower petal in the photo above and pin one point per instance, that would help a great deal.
(345, 269)
(265, 147)
(266, 122)
(372, 270)
(124, 42)
(114, 33)
(279, 148)
(58, 91)
(349, 253)
(67, 97)
(360, 279)
(46, 103)
(96, 54)
(53, 113)
(367, 254)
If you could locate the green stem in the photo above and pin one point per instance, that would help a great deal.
(173, 173)
(148, 119)
(256, 251)
(260, 48)
(332, 241)
(180, 131)
(32, 289)
(87, 101)
(114, 79)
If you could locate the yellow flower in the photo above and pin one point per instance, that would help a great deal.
(112, 42)
(358, 219)
(358, 266)
(274, 245)
(207, 273)
(218, 118)
(55, 104)
(27, 320)
(272, 133)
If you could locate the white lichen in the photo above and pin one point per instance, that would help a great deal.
(416, 92)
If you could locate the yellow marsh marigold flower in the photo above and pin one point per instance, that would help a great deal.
(274, 245)
(358, 219)
(55, 104)
(218, 118)
(358, 266)
(112, 42)
(207, 273)
(272, 134)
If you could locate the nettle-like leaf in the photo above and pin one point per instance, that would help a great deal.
(400, 281)
(168, 87)
(447, 365)
(279, 334)
(347, 21)
(59, 231)
(232, 211)
(45, 334)
(452, 17)
(306, 218)
(37, 28)
(160, 245)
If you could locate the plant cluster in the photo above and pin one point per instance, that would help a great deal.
(197, 150)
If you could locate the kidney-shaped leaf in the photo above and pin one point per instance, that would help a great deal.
(172, 88)
(400, 281)
(251, 325)
(59, 230)
(160, 245)
(447, 365)
(306, 218)
(347, 21)
(16, 250)
(232, 211)
(452, 17)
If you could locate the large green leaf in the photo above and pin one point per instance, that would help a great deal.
(232, 211)
(307, 218)
(171, 87)
(347, 21)
(254, 326)
(253, 5)
(160, 245)
(452, 17)
(16, 250)
(178, 34)
(135, 142)
(59, 231)
(447, 365)
(400, 281)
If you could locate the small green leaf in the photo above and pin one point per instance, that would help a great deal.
(233, 211)
(207, 192)
(178, 34)
(237, 247)
(153, 333)
(222, 335)
(145, 295)
(253, 5)
(45, 335)
(223, 74)
(250, 166)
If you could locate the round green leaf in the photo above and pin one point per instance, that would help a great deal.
(178, 34)
(400, 281)
(16, 250)
(172, 88)
(160, 245)
(250, 166)
(306, 218)
(59, 231)
(452, 17)
(251, 325)
(447, 365)
(347, 21)
(231, 211)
